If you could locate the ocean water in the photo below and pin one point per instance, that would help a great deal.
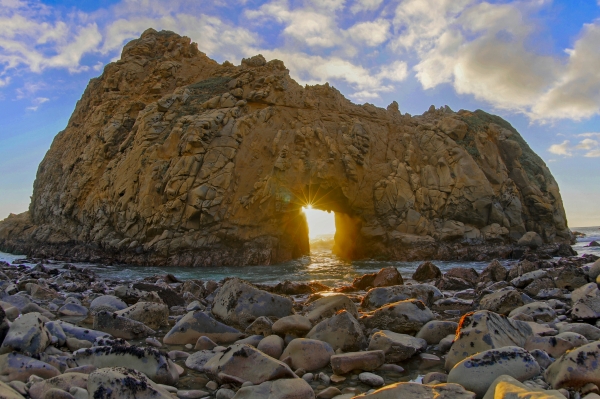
(320, 266)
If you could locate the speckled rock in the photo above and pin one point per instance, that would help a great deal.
(586, 308)
(87, 334)
(575, 339)
(493, 272)
(435, 330)
(341, 331)
(123, 383)
(405, 317)
(153, 315)
(280, 389)
(109, 303)
(329, 305)
(240, 303)
(484, 330)
(378, 297)
(121, 327)
(197, 324)
(478, 372)
(592, 333)
(576, 368)
(27, 334)
(308, 354)
(539, 311)
(502, 301)
(397, 347)
(262, 325)
(64, 382)
(414, 390)
(246, 363)
(505, 387)
(554, 346)
(197, 360)
(149, 361)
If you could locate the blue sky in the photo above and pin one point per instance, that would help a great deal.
(533, 62)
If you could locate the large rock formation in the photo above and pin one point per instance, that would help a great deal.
(172, 158)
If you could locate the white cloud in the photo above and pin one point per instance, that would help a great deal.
(365, 5)
(587, 144)
(372, 33)
(563, 148)
(593, 154)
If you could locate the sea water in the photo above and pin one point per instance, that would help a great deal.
(320, 266)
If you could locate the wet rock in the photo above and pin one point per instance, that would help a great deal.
(18, 367)
(493, 272)
(246, 363)
(397, 347)
(153, 315)
(405, 317)
(121, 327)
(539, 311)
(387, 277)
(63, 382)
(149, 361)
(123, 383)
(502, 301)
(506, 386)
(435, 330)
(295, 325)
(197, 324)
(272, 345)
(378, 297)
(414, 390)
(426, 271)
(27, 334)
(238, 302)
(576, 368)
(279, 389)
(484, 330)
(366, 361)
(478, 372)
(341, 331)
(109, 303)
(308, 354)
(329, 305)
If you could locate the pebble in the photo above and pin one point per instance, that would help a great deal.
(371, 379)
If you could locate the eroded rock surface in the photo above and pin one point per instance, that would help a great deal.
(172, 158)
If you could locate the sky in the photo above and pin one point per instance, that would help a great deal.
(533, 62)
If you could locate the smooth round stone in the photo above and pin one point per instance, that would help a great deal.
(153, 342)
(192, 394)
(225, 394)
(371, 379)
(329, 393)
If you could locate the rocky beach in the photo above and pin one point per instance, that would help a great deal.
(451, 273)
(520, 332)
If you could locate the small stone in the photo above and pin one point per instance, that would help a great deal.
(189, 346)
(153, 342)
(329, 393)
(371, 379)
(225, 394)
(212, 385)
(192, 394)
(337, 378)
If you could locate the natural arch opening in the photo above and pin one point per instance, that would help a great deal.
(321, 228)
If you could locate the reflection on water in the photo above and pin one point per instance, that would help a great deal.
(321, 266)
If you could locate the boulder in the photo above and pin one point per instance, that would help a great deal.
(505, 387)
(197, 324)
(329, 305)
(588, 290)
(366, 361)
(378, 297)
(539, 286)
(571, 277)
(530, 239)
(405, 317)
(426, 271)
(415, 390)
(295, 325)
(7, 392)
(539, 311)
(308, 354)
(452, 283)
(484, 330)
(153, 315)
(594, 270)
(124, 383)
(73, 309)
(586, 308)
(27, 334)
(493, 272)
(240, 303)
(341, 331)
(280, 389)
(109, 303)
(241, 362)
(63, 382)
(18, 367)
(554, 346)
(121, 327)
(261, 326)
(149, 361)
(477, 373)
(576, 368)
(197, 360)
(435, 330)
(464, 273)
(590, 332)
(397, 347)
(503, 301)
(527, 278)
(387, 277)
(575, 339)
(86, 334)
(272, 345)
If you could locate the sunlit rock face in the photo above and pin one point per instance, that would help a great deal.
(173, 159)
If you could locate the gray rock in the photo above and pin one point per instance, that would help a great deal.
(280, 389)
(435, 330)
(153, 315)
(197, 360)
(272, 345)
(347, 362)
(18, 367)
(378, 297)
(341, 331)
(27, 334)
(576, 368)
(296, 325)
(502, 301)
(537, 310)
(239, 302)
(121, 327)
(329, 305)
(197, 324)
(109, 303)
(415, 390)
(73, 309)
(397, 347)
(592, 333)
(308, 354)
(124, 383)
(72, 331)
(405, 317)
(371, 379)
